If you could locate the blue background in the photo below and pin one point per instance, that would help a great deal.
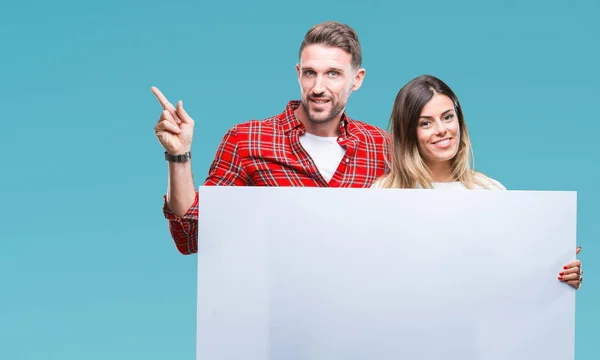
(87, 266)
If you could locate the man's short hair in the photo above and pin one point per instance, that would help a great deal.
(334, 34)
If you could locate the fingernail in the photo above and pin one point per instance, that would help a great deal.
(560, 278)
(565, 267)
(561, 273)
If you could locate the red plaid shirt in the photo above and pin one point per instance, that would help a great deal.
(269, 153)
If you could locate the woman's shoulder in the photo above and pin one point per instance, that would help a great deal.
(377, 183)
(482, 181)
(488, 182)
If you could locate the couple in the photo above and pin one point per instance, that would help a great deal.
(313, 142)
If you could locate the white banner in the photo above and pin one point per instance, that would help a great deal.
(380, 274)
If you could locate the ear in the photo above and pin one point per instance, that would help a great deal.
(358, 78)
(298, 71)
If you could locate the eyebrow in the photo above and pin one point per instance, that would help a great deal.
(304, 68)
(430, 117)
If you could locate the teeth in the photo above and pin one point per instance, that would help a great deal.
(443, 142)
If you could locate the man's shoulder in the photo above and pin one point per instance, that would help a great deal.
(271, 123)
(252, 126)
(370, 129)
(256, 126)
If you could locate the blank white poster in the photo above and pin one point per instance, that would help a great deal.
(326, 274)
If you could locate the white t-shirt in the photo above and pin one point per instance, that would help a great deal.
(325, 152)
(457, 185)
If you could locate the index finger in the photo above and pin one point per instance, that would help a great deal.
(162, 99)
(574, 263)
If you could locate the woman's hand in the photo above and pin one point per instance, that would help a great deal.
(572, 273)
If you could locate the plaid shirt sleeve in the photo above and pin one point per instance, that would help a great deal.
(184, 229)
(225, 170)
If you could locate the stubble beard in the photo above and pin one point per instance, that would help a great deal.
(318, 118)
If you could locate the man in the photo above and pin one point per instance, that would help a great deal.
(313, 142)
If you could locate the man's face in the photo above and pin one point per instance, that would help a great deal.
(326, 80)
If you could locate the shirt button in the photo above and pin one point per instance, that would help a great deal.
(347, 159)
(341, 138)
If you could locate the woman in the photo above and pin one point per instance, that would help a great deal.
(431, 148)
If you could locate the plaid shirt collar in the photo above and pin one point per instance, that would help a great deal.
(289, 121)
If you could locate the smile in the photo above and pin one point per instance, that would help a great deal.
(442, 143)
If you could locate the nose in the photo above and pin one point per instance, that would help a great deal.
(440, 129)
(319, 87)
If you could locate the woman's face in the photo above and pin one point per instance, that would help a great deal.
(438, 132)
